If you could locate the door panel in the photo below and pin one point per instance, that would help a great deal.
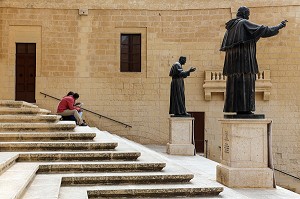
(25, 71)
(199, 131)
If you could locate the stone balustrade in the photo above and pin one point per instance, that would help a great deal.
(215, 82)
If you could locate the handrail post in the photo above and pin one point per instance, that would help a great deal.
(206, 144)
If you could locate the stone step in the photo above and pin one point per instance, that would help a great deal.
(56, 146)
(14, 181)
(73, 192)
(124, 178)
(100, 167)
(43, 187)
(59, 126)
(23, 110)
(16, 104)
(22, 118)
(45, 136)
(154, 191)
(78, 156)
(44, 111)
(7, 159)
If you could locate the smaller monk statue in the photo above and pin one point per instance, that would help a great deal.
(177, 96)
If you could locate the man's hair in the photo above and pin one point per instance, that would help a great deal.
(182, 59)
(76, 95)
(70, 93)
(243, 12)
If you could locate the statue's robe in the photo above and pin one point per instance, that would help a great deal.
(240, 65)
(177, 96)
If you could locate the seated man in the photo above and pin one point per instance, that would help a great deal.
(77, 104)
(66, 108)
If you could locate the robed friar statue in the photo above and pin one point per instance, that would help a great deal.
(240, 65)
(177, 96)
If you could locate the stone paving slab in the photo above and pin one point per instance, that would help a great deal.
(205, 173)
(85, 129)
(73, 193)
(14, 181)
(7, 159)
(44, 187)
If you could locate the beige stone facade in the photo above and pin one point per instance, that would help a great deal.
(81, 53)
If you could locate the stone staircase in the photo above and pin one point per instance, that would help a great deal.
(44, 158)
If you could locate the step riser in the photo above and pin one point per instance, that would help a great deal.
(7, 137)
(26, 120)
(30, 111)
(98, 168)
(29, 118)
(106, 180)
(16, 104)
(11, 105)
(93, 194)
(54, 149)
(17, 111)
(57, 146)
(77, 157)
(50, 139)
(35, 129)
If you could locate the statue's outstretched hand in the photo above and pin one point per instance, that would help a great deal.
(192, 69)
(283, 24)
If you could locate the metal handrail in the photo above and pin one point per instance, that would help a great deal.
(126, 125)
(287, 174)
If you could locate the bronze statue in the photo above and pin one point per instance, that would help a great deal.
(177, 96)
(240, 65)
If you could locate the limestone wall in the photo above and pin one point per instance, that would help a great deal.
(81, 53)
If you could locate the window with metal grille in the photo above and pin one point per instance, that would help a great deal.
(130, 58)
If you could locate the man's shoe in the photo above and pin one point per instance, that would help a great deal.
(83, 124)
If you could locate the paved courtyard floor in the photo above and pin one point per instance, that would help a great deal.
(206, 168)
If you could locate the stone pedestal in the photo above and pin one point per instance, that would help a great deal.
(246, 154)
(181, 136)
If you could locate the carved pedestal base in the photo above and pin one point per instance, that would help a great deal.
(245, 177)
(246, 155)
(181, 136)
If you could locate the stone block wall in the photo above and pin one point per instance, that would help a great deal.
(81, 53)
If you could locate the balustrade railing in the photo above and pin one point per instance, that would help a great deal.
(215, 82)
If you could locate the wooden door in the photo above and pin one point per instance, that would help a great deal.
(198, 131)
(25, 71)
